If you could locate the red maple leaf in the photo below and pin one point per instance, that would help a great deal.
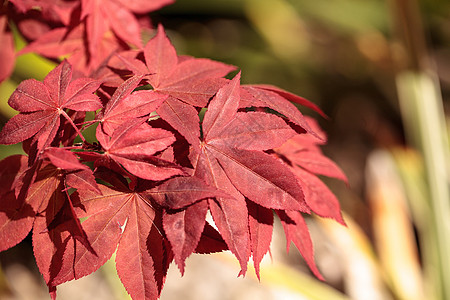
(116, 15)
(289, 96)
(144, 6)
(133, 145)
(92, 29)
(307, 161)
(232, 158)
(125, 105)
(56, 227)
(71, 41)
(16, 217)
(260, 96)
(296, 231)
(76, 175)
(184, 227)
(7, 52)
(131, 220)
(42, 104)
(46, 210)
(260, 225)
(102, 16)
(192, 80)
(51, 10)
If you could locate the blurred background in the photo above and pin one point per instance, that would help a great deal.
(381, 71)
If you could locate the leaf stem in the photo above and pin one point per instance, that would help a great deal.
(73, 125)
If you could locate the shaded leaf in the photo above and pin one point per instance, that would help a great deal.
(184, 229)
(210, 241)
(192, 189)
(16, 220)
(133, 144)
(183, 117)
(261, 227)
(297, 232)
(134, 261)
(11, 170)
(64, 159)
(82, 179)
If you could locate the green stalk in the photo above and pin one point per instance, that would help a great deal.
(424, 121)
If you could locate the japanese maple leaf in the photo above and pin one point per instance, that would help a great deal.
(278, 100)
(237, 141)
(192, 80)
(106, 15)
(184, 218)
(76, 174)
(41, 104)
(71, 41)
(304, 150)
(46, 196)
(260, 227)
(133, 145)
(7, 52)
(297, 232)
(129, 220)
(126, 105)
(56, 227)
(144, 6)
(289, 96)
(46, 210)
(57, 42)
(52, 10)
(232, 158)
(307, 160)
(65, 136)
(16, 216)
(102, 28)
(116, 215)
(184, 230)
(117, 16)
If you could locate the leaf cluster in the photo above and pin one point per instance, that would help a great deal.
(174, 141)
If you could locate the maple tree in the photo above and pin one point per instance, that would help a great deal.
(174, 140)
